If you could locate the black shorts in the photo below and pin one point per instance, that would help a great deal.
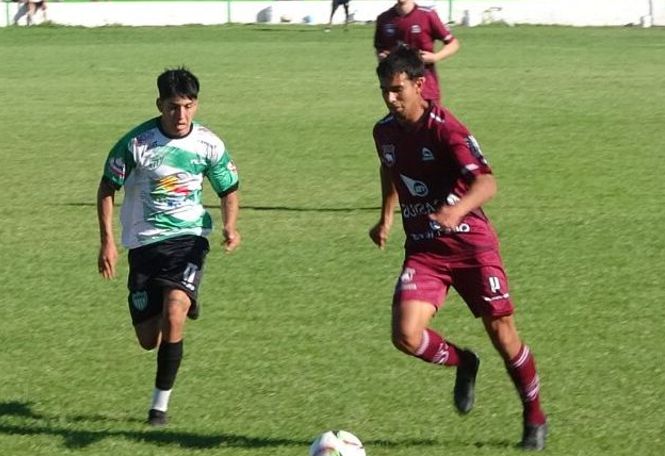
(336, 3)
(175, 263)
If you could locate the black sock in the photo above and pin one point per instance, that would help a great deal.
(168, 362)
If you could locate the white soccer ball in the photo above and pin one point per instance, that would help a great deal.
(337, 443)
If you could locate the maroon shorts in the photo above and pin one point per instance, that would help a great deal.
(481, 281)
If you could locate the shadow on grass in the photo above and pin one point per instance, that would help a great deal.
(268, 208)
(65, 428)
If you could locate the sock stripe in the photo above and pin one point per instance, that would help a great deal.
(521, 357)
(424, 343)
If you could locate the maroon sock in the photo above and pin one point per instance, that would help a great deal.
(522, 370)
(435, 350)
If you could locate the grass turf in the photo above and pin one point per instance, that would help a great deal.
(294, 336)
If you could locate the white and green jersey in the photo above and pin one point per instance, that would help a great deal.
(163, 180)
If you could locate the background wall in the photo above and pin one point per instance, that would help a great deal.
(468, 12)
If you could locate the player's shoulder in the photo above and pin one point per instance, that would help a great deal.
(205, 134)
(426, 10)
(386, 122)
(387, 15)
(139, 133)
(444, 122)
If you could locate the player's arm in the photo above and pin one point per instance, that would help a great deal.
(379, 232)
(108, 253)
(230, 205)
(380, 47)
(440, 32)
(482, 189)
(445, 52)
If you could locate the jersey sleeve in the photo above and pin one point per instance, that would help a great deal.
(440, 31)
(467, 153)
(222, 172)
(119, 163)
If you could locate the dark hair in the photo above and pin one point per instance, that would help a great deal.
(177, 82)
(402, 59)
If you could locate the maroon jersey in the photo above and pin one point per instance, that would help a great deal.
(418, 29)
(431, 166)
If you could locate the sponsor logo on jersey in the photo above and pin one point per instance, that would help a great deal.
(140, 300)
(171, 184)
(427, 154)
(412, 210)
(415, 28)
(388, 153)
(415, 187)
(473, 145)
(117, 167)
(389, 29)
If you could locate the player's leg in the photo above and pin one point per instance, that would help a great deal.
(521, 366)
(148, 333)
(31, 12)
(335, 5)
(346, 13)
(484, 286)
(420, 291)
(170, 353)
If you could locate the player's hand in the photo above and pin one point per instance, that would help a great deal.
(231, 239)
(428, 57)
(449, 217)
(379, 234)
(382, 55)
(107, 259)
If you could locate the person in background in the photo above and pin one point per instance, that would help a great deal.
(335, 5)
(419, 28)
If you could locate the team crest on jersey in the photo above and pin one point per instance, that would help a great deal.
(388, 152)
(427, 154)
(390, 29)
(155, 159)
(415, 187)
(140, 300)
(473, 145)
(415, 28)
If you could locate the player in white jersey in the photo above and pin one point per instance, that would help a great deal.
(161, 165)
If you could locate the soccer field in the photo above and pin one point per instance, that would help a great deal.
(294, 336)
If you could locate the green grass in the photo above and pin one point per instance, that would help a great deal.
(294, 337)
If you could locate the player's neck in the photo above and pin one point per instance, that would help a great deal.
(414, 119)
(405, 8)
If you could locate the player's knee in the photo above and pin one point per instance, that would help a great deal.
(406, 342)
(148, 343)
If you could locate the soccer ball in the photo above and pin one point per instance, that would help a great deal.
(337, 443)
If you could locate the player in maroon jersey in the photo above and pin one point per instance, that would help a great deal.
(417, 27)
(434, 168)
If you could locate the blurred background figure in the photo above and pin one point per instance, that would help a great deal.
(33, 10)
(335, 5)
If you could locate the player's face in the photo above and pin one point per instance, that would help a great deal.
(177, 115)
(402, 96)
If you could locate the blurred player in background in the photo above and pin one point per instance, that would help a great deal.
(335, 5)
(434, 168)
(418, 28)
(161, 164)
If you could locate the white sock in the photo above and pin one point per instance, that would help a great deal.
(160, 399)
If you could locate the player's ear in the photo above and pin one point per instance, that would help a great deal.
(420, 83)
(158, 103)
